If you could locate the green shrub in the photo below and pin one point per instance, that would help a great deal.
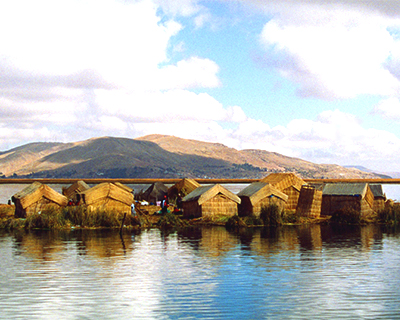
(346, 216)
(289, 217)
(170, 220)
(49, 218)
(390, 215)
(271, 215)
(235, 222)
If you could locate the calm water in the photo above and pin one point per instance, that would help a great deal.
(308, 272)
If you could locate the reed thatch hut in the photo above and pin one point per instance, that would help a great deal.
(35, 198)
(210, 201)
(183, 187)
(379, 197)
(310, 202)
(289, 184)
(344, 196)
(155, 192)
(257, 195)
(73, 191)
(108, 196)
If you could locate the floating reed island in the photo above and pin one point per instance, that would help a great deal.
(279, 198)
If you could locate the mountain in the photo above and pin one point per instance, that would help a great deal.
(157, 156)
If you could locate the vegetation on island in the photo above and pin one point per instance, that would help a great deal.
(272, 215)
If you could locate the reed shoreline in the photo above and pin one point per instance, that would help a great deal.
(150, 217)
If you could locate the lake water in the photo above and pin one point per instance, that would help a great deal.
(303, 272)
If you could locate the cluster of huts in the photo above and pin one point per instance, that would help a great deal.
(286, 190)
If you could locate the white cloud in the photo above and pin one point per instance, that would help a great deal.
(388, 108)
(333, 137)
(331, 53)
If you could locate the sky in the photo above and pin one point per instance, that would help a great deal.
(317, 80)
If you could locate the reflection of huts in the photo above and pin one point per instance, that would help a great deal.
(155, 192)
(379, 197)
(35, 198)
(107, 196)
(289, 184)
(183, 187)
(73, 191)
(258, 195)
(209, 201)
(342, 196)
(310, 201)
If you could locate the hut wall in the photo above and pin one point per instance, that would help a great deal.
(293, 199)
(366, 208)
(310, 201)
(40, 205)
(219, 205)
(191, 209)
(379, 204)
(331, 204)
(108, 204)
(245, 207)
(267, 201)
(369, 197)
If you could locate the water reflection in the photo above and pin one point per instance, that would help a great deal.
(294, 272)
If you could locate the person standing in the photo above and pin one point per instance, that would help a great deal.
(164, 205)
(133, 211)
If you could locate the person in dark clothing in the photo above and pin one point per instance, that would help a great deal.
(179, 202)
(164, 205)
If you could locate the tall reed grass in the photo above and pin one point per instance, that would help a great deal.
(390, 215)
(347, 215)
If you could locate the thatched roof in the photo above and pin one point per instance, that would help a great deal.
(76, 187)
(107, 190)
(281, 181)
(377, 191)
(155, 192)
(34, 192)
(203, 194)
(123, 186)
(184, 186)
(259, 190)
(345, 189)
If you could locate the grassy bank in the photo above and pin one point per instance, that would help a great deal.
(80, 217)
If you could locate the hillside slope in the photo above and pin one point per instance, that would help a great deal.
(157, 156)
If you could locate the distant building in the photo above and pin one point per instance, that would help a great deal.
(342, 196)
(258, 195)
(289, 184)
(310, 202)
(155, 192)
(210, 201)
(73, 191)
(35, 198)
(108, 196)
(183, 187)
(379, 197)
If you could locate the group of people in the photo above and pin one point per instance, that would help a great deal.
(164, 205)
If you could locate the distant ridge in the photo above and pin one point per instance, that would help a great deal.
(158, 156)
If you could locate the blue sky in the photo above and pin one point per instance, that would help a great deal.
(318, 80)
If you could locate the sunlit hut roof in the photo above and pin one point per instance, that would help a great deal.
(76, 187)
(203, 194)
(260, 190)
(345, 189)
(184, 186)
(123, 186)
(107, 190)
(34, 192)
(281, 181)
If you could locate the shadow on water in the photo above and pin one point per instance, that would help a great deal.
(49, 245)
